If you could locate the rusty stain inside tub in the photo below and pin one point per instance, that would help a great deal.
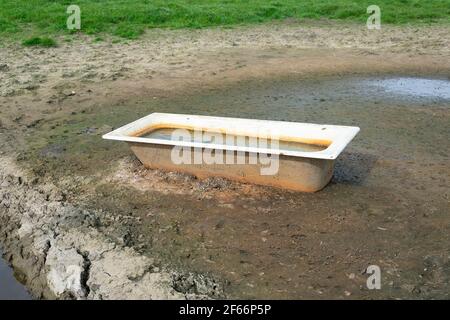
(286, 143)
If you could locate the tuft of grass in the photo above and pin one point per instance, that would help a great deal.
(40, 42)
(128, 31)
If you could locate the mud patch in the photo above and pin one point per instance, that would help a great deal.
(70, 259)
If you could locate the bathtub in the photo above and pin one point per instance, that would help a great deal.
(290, 155)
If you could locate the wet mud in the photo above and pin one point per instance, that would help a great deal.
(387, 203)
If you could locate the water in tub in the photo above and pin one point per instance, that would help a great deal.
(284, 144)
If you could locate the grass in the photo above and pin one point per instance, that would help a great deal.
(130, 18)
(41, 42)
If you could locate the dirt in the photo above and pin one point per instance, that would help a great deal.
(71, 199)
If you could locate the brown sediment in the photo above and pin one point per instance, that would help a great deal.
(225, 131)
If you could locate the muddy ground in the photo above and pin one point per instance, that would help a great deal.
(81, 218)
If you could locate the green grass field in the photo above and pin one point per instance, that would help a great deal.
(23, 19)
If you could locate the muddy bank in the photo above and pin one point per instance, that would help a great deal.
(61, 252)
(75, 210)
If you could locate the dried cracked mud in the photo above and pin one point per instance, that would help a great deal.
(82, 219)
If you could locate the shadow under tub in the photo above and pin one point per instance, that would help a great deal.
(353, 168)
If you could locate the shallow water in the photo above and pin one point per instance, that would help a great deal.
(10, 288)
(413, 87)
(230, 139)
(391, 120)
(312, 100)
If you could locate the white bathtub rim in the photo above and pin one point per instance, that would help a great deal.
(343, 138)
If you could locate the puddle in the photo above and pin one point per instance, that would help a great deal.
(313, 100)
(332, 100)
(414, 87)
(10, 288)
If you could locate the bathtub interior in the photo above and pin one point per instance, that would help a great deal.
(321, 141)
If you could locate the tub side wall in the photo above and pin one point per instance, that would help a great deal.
(294, 173)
